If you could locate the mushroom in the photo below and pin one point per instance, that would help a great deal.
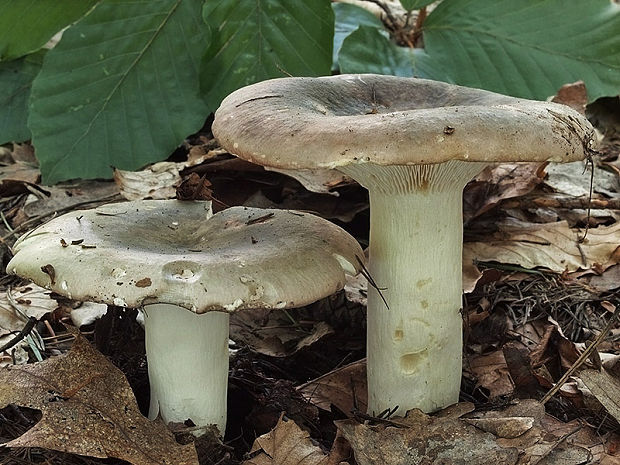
(414, 144)
(188, 269)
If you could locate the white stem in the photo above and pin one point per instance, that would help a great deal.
(187, 356)
(415, 346)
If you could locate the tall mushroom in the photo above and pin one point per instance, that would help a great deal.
(189, 269)
(413, 144)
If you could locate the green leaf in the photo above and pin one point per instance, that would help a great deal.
(26, 25)
(15, 81)
(415, 4)
(121, 89)
(368, 50)
(263, 39)
(348, 19)
(525, 48)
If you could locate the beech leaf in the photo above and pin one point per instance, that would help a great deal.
(88, 409)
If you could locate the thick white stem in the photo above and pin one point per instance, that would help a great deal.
(415, 345)
(187, 356)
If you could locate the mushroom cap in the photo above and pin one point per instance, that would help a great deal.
(328, 122)
(137, 253)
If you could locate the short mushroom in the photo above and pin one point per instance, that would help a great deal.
(413, 144)
(188, 269)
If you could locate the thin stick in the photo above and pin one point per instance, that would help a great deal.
(21, 335)
(590, 161)
(366, 274)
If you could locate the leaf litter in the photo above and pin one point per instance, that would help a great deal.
(88, 409)
(536, 298)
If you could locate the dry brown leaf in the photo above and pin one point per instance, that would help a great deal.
(574, 95)
(492, 373)
(356, 288)
(572, 179)
(158, 181)
(608, 281)
(550, 441)
(506, 427)
(551, 245)
(500, 182)
(344, 387)
(88, 409)
(21, 169)
(286, 444)
(31, 301)
(273, 333)
(605, 388)
(425, 440)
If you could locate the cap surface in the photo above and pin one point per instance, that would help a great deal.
(135, 253)
(334, 121)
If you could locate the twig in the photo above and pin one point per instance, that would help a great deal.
(583, 357)
(388, 13)
(417, 29)
(21, 335)
(590, 161)
(366, 274)
(565, 202)
(6, 223)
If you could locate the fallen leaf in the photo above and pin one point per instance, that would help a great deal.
(158, 181)
(574, 95)
(89, 409)
(424, 440)
(497, 183)
(506, 427)
(286, 444)
(344, 387)
(492, 373)
(605, 388)
(20, 303)
(550, 245)
(574, 179)
(20, 173)
(608, 281)
(356, 288)
(550, 441)
(273, 333)
(194, 187)
(518, 363)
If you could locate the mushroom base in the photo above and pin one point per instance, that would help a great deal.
(187, 356)
(415, 345)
